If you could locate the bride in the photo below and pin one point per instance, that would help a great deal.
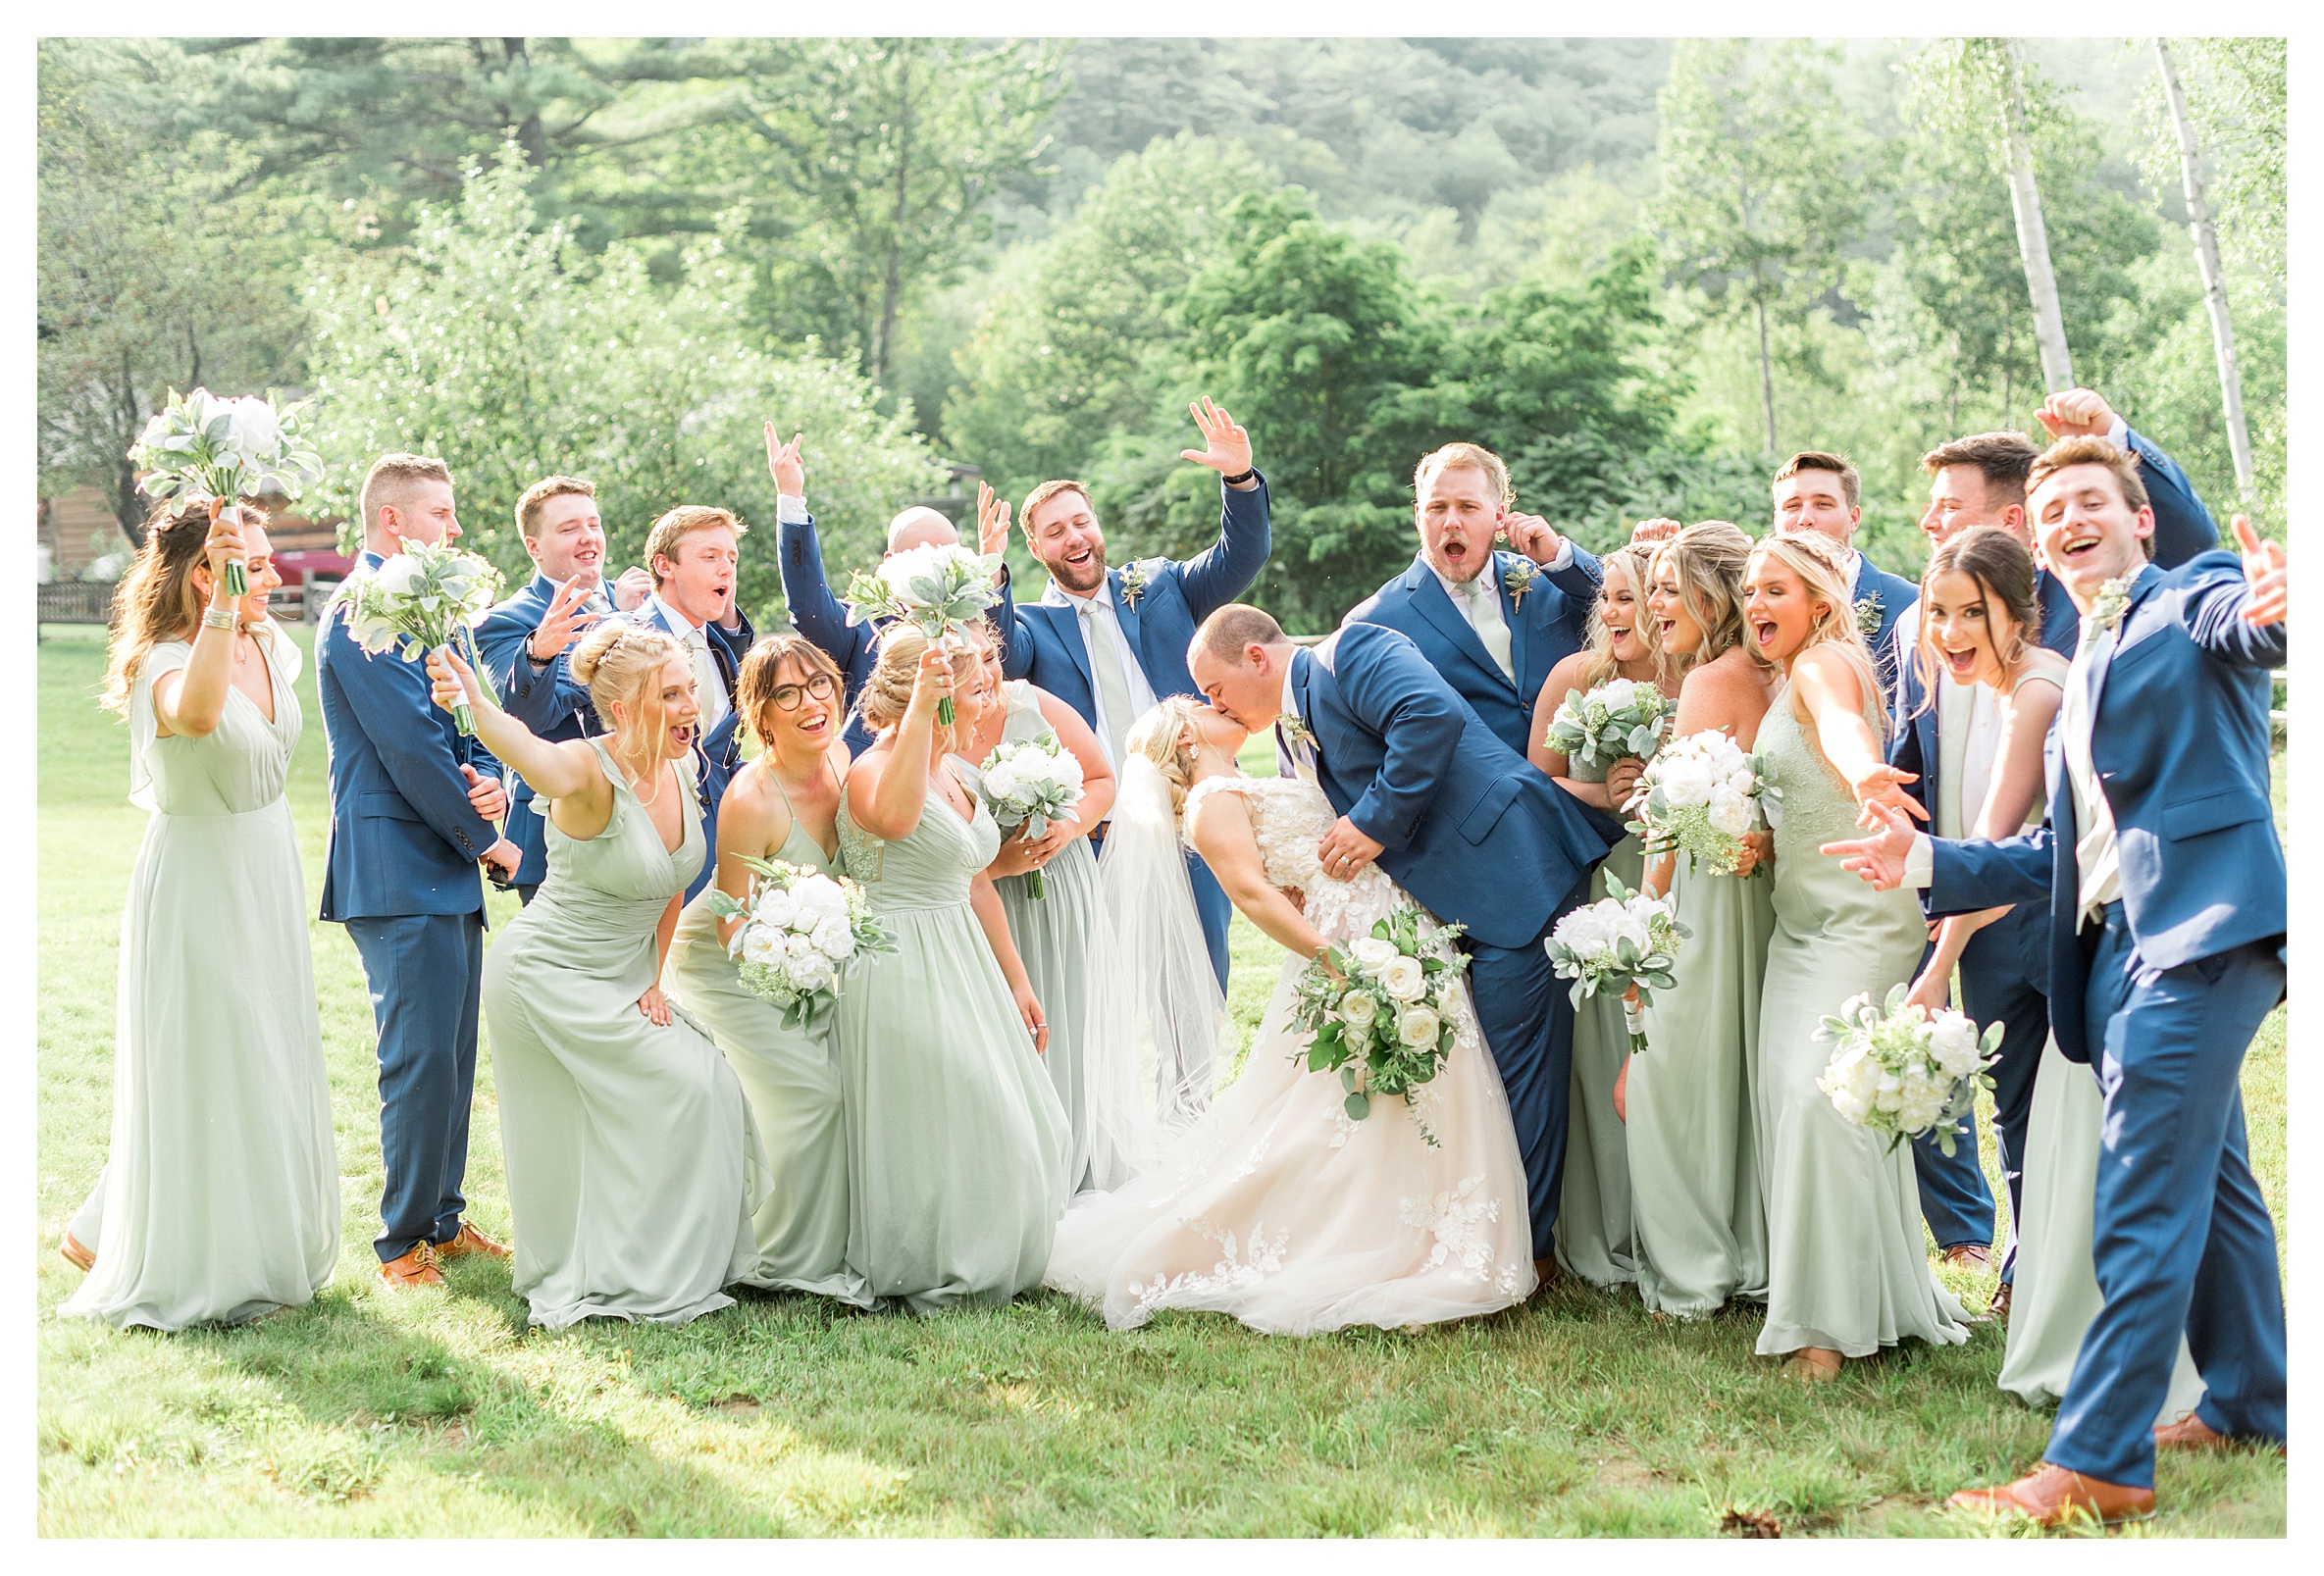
(1273, 1205)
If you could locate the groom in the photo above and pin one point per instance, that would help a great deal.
(2166, 893)
(1450, 812)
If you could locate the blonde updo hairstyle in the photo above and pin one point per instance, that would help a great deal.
(1709, 558)
(622, 664)
(1155, 737)
(887, 694)
(1634, 561)
(1815, 560)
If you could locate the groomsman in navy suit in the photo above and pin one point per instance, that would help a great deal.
(692, 555)
(1456, 817)
(1110, 642)
(1817, 493)
(1492, 622)
(522, 642)
(410, 816)
(2165, 888)
(821, 616)
(1981, 481)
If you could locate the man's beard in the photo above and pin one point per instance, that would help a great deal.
(1096, 571)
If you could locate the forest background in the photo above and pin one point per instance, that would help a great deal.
(1638, 268)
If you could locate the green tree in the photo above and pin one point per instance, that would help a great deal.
(1764, 180)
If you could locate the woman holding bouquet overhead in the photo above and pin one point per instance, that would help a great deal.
(1053, 931)
(957, 1144)
(781, 807)
(632, 1164)
(1697, 1162)
(1847, 1271)
(1594, 1230)
(219, 1197)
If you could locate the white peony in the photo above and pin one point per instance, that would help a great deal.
(1952, 1044)
(1743, 780)
(833, 938)
(399, 575)
(1619, 694)
(1373, 953)
(1404, 979)
(796, 945)
(810, 973)
(819, 898)
(1628, 927)
(256, 432)
(776, 907)
(1686, 779)
(1729, 811)
(1584, 932)
(761, 946)
(1356, 1009)
(1419, 1027)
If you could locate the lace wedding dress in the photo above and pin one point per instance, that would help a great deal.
(1276, 1206)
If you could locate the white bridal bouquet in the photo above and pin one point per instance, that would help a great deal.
(1029, 786)
(803, 932)
(1903, 1070)
(1700, 796)
(937, 591)
(428, 595)
(1624, 939)
(202, 447)
(1384, 1020)
(1617, 718)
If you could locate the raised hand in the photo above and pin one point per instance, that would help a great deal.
(992, 521)
(2265, 570)
(932, 681)
(1229, 446)
(2076, 412)
(484, 796)
(1660, 528)
(224, 545)
(1880, 857)
(1534, 536)
(628, 592)
(784, 463)
(562, 624)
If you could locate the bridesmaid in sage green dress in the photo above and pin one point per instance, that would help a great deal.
(782, 806)
(632, 1164)
(1697, 1166)
(219, 1201)
(1051, 932)
(1595, 1237)
(957, 1144)
(1847, 1256)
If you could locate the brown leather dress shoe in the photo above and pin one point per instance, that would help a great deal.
(1969, 1257)
(2000, 1308)
(415, 1268)
(2051, 1496)
(79, 1257)
(2192, 1432)
(468, 1240)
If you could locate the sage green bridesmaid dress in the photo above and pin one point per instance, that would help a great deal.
(219, 1199)
(1697, 1170)
(1847, 1256)
(1593, 1230)
(2057, 1282)
(790, 1078)
(1052, 935)
(957, 1144)
(632, 1164)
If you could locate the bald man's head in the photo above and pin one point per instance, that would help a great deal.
(921, 527)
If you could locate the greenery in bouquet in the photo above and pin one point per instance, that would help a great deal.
(937, 591)
(1382, 1010)
(423, 599)
(1904, 1070)
(1625, 942)
(1618, 718)
(202, 448)
(1028, 786)
(802, 933)
(1701, 795)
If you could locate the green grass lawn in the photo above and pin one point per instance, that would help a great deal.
(439, 1413)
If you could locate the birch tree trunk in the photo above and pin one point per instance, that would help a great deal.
(2206, 260)
(2032, 241)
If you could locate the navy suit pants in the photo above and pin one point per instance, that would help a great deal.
(424, 972)
(2184, 1241)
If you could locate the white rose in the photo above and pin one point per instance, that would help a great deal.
(1419, 1027)
(1370, 952)
(1356, 1009)
(833, 938)
(1729, 811)
(760, 945)
(777, 907)
(798, 947)
(1686, 780)
(1743, 780)
(1404, 979)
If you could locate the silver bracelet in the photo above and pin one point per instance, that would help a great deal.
(220, 617)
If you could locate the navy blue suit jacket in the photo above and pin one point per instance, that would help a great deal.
(1891, 596)
(2183, 528)
(718, 754)
(1547, 625)
(404, 840)
(1045, 644)
(817, 612)
(2180, 743)
(1464, 824)
(548, 699)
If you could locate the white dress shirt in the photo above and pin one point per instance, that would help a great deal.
(1458, 591)
(791, 509)
(711, 689)
(1303, 750)
(1099, 621)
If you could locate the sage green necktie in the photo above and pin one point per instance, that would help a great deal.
(1484, 612)
(1113, 686)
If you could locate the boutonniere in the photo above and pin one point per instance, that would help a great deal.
(1519, 579)
(1868, 613)
(1297, 731)
(2113, 600)
(1133, 584)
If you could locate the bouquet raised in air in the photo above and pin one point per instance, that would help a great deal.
(202, 447)
(1700, 796)
(426, 596)
(1904, 1070)
(1384, 1022)
(937, 591)
(803, 932)
(1617, 718)
(1029, 786)
(1623, 939)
